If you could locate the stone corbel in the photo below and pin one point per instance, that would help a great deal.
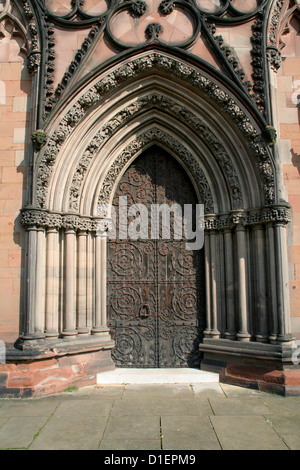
(270, 135)
(274, 58)
(39, 139)
(33, 61)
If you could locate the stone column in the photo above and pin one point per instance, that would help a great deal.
(40, 278)
(33, 324)
(272, 284)
(207, 284)
(243, 333)
(81, 298)
(90, 280)
(262, 333)
(282, 280)
(230, 332)
(214, 333)
(52, 284)
(100, 322)
(69, 318)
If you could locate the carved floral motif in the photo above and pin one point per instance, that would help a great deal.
(32, 218)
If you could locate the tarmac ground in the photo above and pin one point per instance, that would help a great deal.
(152, 417)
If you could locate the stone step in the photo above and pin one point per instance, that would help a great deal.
(156, 376)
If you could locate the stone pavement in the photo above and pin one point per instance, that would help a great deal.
(171, 417)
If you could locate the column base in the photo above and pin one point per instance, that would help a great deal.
(69, 334)
(211, 334)
(32, 336)
(100, 331)
(243, 337)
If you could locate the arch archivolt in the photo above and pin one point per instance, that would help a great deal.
(97, 108)
(218, 161)
(156, 135)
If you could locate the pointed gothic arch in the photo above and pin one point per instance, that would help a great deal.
(101, 126)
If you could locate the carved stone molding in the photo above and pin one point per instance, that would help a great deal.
(266, 215)
(37, 218)
(274, 23)
(183, 115)
(156, 135)
(34, 218)
(132, 70)
(258, 63)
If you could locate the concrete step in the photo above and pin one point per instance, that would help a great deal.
(156, 376)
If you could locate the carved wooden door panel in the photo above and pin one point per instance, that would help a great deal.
(155, 285)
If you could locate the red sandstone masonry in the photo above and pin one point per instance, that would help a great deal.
(51, 375)
(263, 374)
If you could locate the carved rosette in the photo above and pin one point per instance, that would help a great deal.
(166, 7)
(137, 8)
(153, 31)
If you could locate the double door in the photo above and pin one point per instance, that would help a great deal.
(155, 283)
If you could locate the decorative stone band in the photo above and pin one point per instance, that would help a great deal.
(274, 23)
(273, 214)
(35, 218)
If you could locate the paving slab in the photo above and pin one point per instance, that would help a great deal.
(160, 407)
(246, 433)
(87, 407)
(123, 427)
(236, 406)
(131, 444)
(188, 433)
(288, 429)
(289, 406)
(207, 389)
(169, 391)
(19, 432)
(71, 432)
(115, 391)
(234, 391)
(28, 407)
(3, 420)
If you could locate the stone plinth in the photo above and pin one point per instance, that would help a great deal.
(34, 373)
(259, 366)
